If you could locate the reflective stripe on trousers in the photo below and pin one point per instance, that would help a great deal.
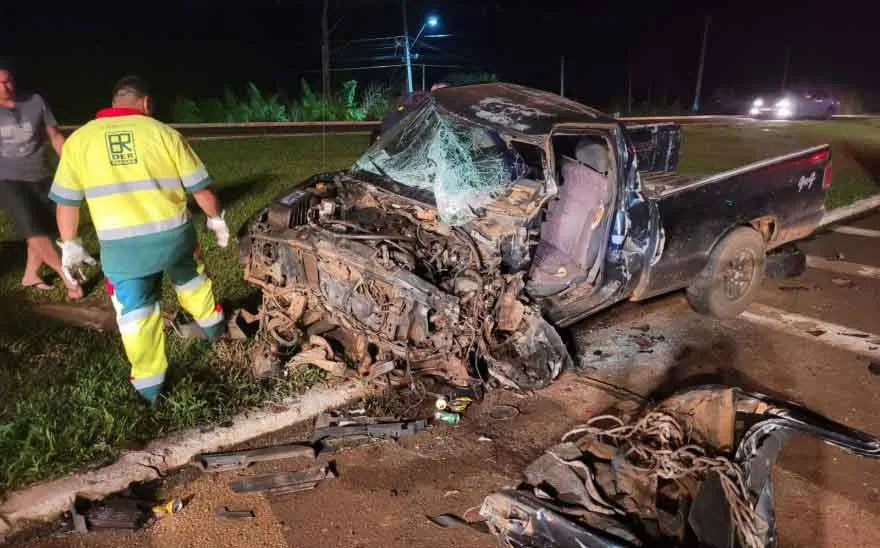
(136, 301)
(196, 296)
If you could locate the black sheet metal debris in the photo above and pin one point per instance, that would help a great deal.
(694, 470)
(284, 483)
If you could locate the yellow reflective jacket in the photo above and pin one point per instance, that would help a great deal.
(134, 173)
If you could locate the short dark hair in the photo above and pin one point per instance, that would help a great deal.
(5, 64)
(131, 85)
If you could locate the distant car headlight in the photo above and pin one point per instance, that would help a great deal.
(758, 102)
(783, 103)
(783, 112)
(754, 111)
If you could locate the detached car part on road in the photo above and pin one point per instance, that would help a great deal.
(494, 212)
(695, 471)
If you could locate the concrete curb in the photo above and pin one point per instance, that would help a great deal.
(852, 210)
(48, 500)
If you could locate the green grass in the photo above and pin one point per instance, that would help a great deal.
(854, 144)
(65, 399)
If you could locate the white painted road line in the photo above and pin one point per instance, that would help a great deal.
(856, 231)
(843, 267)
(838, 336)
(857, 208)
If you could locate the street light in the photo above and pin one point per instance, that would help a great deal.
(432, 21)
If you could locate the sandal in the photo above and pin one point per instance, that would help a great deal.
(41, 285)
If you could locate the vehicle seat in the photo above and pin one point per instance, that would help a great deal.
(569, 242)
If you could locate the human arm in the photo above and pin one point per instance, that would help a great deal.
(52, 132)
(67, 217)
(195, 180)
(208, 202)
(56, 138)
(67, 193)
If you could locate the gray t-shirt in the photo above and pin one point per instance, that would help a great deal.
(23, 139)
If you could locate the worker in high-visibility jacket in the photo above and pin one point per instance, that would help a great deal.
(134, 173)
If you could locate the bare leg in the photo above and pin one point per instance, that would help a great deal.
(42, 251)
(31, 274)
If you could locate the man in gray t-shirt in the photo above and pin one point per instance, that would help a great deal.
(26, 124)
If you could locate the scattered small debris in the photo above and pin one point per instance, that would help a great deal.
(503, 412)
(816, 332)
(334, 432)
(240, 323)
(237, 460)
(447, 417)
(856, 335)
(843, 282)
(484, 439)
(264, 359)
(172, 506)
(794, 288)
(79, 520)
(226, 513)
(114, 513)
(285, 483)
(597, 353)
(185, 326)
(451, 520)
(451, 493)
(643, 328)
(378, 370)
(318, 352)
(840, 256)
(874, 368)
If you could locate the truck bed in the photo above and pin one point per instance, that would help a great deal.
(661, 184)
(655, 184)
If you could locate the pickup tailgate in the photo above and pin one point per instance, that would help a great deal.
(782, 196)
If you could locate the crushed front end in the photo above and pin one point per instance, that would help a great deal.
(367, 264)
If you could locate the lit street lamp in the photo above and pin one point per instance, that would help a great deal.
(432, 22)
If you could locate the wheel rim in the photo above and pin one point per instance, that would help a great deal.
(739, 275)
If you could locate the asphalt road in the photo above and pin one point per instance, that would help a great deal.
(824, 497)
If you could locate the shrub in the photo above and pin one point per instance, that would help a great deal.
(376, 99)
(186, 111)
(256, 106)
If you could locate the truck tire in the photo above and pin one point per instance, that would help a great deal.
(732, 277)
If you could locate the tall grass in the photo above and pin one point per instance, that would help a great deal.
(255, 106)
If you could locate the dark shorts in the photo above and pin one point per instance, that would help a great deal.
(29, 204)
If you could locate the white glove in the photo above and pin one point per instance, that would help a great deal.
(217, 225)
(74, 256)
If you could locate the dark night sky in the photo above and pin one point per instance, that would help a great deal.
(196, 48)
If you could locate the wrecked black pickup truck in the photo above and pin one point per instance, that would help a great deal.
(495, 212)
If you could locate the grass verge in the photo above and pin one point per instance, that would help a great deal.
(855, 149)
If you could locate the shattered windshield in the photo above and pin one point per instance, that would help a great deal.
(463, 164)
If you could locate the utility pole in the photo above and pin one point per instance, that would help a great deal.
(423, 77)
(785, 67)
(325, 52)
(562, 75)
(406, 52)
(696, 105)
(629, 89)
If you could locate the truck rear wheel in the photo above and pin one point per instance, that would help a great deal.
(729, 282)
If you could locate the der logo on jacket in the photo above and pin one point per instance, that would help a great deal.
(120, 148)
